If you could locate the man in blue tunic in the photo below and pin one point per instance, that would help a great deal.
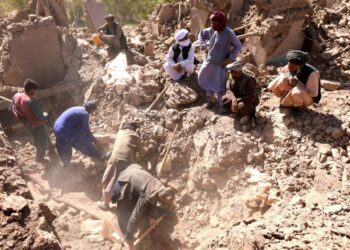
(212, 75)
(72, 131)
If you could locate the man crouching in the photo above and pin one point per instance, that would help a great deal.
(299, 83)
(241, 95)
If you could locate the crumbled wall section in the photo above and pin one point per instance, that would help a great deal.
(280, 28)
(94, 14)
(24, 224)
(33, 51)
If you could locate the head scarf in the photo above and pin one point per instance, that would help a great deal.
(181, 34)
(235, 66)
(90, 106)
(220, 18)
(297, 57)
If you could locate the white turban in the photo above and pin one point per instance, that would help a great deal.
(235, 66)
(181, 34)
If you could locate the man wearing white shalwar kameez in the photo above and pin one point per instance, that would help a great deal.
(180, 57)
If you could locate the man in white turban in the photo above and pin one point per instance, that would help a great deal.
(180, 57)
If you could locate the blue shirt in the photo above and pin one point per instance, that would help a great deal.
(220, 43)
(72, 123)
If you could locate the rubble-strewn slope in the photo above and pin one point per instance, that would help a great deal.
(25, 224)
(304, 160)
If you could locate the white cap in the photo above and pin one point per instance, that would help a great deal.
(181, 34)
(235, 66)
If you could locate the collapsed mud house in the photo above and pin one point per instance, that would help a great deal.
(304, 160)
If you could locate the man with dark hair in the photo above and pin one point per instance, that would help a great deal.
(212, 76)
(28, 111)
(298, 85)
(72, 131)
(180, 57)
(241, 93)
(137, 193)
(112, 34)
(127, 143)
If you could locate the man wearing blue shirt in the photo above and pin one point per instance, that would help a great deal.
(72, 131)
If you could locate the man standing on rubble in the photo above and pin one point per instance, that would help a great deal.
(127, 143)
(212, 75)
(136, 193)
(241, 93)
(298, 85)
(180, 57)
(112, 34)
(72, 131)
(28, 111)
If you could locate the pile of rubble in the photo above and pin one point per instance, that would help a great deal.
(283, 183)
(328, 29)
(25, 224)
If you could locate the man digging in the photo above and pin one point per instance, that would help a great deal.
(137, 193)
(126, 145)
(28, 111)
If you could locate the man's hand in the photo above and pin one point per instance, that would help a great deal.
(293, 82)
(131, 245)
(234, 106)
(178, 67)
(205, 49)
(227, 62)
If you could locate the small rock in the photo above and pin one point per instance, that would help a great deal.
(335, 209)
(14, 203)
(214, 221)
(330, 85)
(338, 133)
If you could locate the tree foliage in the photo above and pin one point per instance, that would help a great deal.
(126, 11)
(131, 10)
(75, 11)
(7, 6)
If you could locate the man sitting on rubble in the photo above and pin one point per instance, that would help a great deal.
(28, 111)
(298, 85)
(180, 57)
(127, 143)
(136, 193)
(112, 34)
(72, 131)
(241, 96)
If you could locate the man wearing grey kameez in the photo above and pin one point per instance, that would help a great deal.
(212, 75)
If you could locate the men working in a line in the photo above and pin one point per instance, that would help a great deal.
(123, 154)
(241, 95)
(72, 131)
(112, 34)
(180, 57)
(212, 75)
(28, 111)
(299, 83)
(136, 193)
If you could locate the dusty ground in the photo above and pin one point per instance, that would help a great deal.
(305, 159)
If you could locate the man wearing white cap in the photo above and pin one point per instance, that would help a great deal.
(241, 91)
(180, 58)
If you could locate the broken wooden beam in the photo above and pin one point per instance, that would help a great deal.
(162, 163)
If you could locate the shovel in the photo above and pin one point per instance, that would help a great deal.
(156, 100)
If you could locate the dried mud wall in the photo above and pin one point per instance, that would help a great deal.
(35, 49)
(94, 14)
(280, 28)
